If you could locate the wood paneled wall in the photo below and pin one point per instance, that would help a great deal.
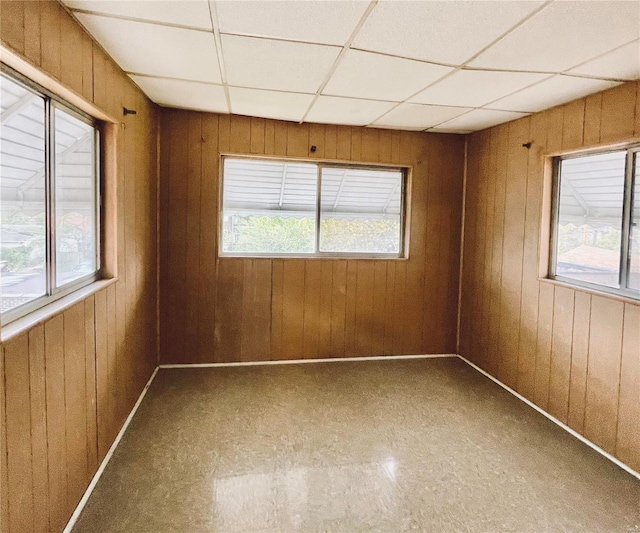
(573, 353)
(225, 309)
(67, 385)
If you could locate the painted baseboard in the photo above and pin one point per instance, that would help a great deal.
(556, 421)
(304, 361)
(107, 458)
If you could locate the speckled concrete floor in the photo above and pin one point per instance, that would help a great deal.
(405, 445)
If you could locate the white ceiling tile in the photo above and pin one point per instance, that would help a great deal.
(551, 92)
(192, 13)
(269, 104)
(312, 21)
(366, 75)
(622, 63)
(347, 111)
(475, 88)
(444, 32)
(418, 117)
(184, 94)
(268, 64)
(564, 35)
(479, 119)
(156, 50)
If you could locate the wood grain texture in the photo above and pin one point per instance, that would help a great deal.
(303, 308)
(67, 384)
(576, 354)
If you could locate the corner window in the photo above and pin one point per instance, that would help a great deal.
(49, 198)
(291, 208)
(596, 238)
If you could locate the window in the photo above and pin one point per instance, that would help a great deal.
(279, 208)
(49, 191)
(596, 213)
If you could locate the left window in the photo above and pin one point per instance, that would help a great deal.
(49, 198)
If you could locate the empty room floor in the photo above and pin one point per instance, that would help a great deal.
(425, 445)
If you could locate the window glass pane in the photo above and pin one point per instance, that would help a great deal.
(590, 218)
(22, 196)
(75, 197)
(268, 206)
(634, 249)
(360, 210)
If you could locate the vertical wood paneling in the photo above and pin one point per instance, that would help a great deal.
(56, 437)
(560, 367)
(603, 372)
(577, 354)
(18, 420)
(579, 360)
(294, 308)
(79, 372)
(37, 386)
(628, 431)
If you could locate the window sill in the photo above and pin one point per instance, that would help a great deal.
(25, 323)
(595, 292)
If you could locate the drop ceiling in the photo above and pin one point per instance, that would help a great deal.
(451, 66)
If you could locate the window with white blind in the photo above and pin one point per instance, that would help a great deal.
(296, 208)
(49, 197)
(596, 238)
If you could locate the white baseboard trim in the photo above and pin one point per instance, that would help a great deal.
(107, 457)
(556, 421)
(304, 361)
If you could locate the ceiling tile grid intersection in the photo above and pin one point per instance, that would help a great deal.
(439, 66)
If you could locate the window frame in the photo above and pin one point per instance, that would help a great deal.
(54, 291)
(624, 290)
(403, 253)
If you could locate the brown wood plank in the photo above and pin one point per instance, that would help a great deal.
(573, 124)
(317, 139)
(560, 367)
(257, 135)
(4, 482)
(56, 425)
(70, 53)
(330, 141)
(240, 136)
(32, 31)
(293, 309)
(343, 143)
(603, 373)
(277, 287)
(90, 368)
(618, 113)
(628, 431)
(12, 25)
(380, 296)
(543, 353)
(311, 309)
(37, 385)
(209, 202)
(50, 37)
(194, 226)
(350, 309)
(364, 308)
(75, 403)
(228, 326)
(18, 420)
(579, 360)
(324, 317)
(592, 115)
(338, 307)
(102, 374)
